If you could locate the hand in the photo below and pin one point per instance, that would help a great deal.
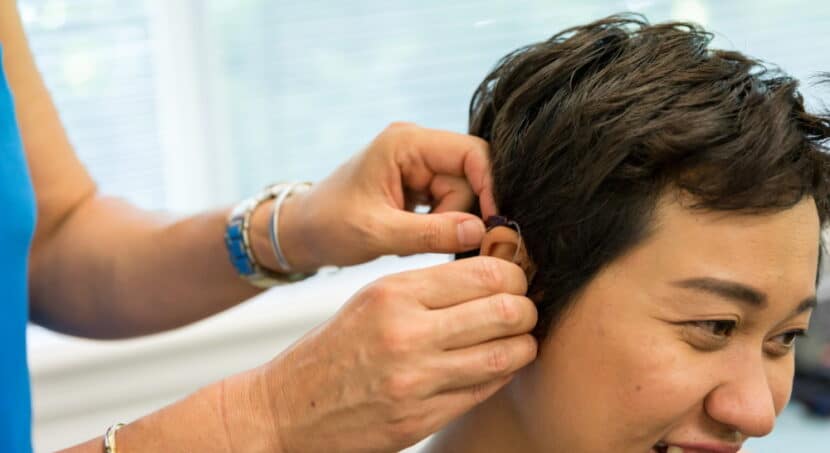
(360, 212)
(402, 358)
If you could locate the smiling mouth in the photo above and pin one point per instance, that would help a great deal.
(661, 447)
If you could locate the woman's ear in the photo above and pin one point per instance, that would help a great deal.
(506, 243)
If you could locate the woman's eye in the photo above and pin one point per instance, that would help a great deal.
(717, 327)
(788, 339)
(781, 345)
(709, 335)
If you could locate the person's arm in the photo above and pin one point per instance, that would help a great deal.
(401, 359)
(228, 416)
(102, 268)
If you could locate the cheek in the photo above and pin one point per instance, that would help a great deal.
(658, 377)
(599, 385)
(660, 382)
(628, 380)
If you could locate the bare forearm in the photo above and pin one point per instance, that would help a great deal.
(228, 416)
(115, 271)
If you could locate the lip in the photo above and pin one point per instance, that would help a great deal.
(707, 447)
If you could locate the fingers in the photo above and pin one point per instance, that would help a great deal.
(431, 233)
(484, 362)
(445, 194)
(424, 152)
(464, 280)
(481, 320)
(413, 199)
(449, 404)
(450, 193)
(408, 233)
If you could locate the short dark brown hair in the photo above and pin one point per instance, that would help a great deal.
(591, 127)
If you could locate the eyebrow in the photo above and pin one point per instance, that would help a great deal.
(740, 292)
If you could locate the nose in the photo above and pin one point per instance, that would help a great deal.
(745, 402)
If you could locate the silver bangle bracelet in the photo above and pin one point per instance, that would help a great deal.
(275, 219)
(109, 438)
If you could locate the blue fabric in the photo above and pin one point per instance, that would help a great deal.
(17, 222)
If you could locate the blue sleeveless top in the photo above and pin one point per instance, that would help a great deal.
(17, 222)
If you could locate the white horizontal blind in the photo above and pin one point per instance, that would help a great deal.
(287, 90)
(300, 86)
(96, 60)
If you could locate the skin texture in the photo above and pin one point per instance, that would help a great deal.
(102, 268)
(630, 364)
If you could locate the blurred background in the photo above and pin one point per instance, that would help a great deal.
(183, 105)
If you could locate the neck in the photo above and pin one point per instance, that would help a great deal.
(491, 427)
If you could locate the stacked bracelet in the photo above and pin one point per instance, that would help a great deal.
(238, 242)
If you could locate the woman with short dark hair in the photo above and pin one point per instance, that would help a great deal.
(665, 200)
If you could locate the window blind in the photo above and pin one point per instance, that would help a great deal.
(95, 58)
(300, 86)
(291, 89)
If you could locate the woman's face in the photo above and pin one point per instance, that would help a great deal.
(687, 339)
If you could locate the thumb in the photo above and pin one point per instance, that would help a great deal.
(446, 232)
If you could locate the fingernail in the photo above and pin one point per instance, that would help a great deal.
(470, 233)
